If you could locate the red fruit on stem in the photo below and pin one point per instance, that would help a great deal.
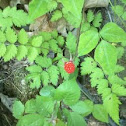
(69, 67)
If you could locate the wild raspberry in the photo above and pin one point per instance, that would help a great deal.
(69, 67)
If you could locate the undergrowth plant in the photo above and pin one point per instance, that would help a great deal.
(59, 100)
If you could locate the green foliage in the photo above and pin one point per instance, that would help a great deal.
(118, 9)
(18, 109)
(97, 20)
(56, 15)
(2, 37)
(90, 16)
(120, 52)
(39, 8)
(88, 42)
(106, 56)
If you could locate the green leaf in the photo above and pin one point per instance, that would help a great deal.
(45, 78)
(54, 74)
(83, 107)
(43, 61)
(106, 93)
(123, 1)
(2, 49)
(124, 16)
(71, 42)
(60, 41)
(113, 33)
(47, 91)
(30, 106)
(100, 113)
(46, 36)
(2, 37)
(54, 34)
(72, 11)
(97, 20)
(32, 54)
(111, 104)
(106, 56)
(120, 52)
(88, 65)
(88, 42)
(22, 36)
(11, 52)
(18, 109)
(31, 120)
(119, 68)
(90, 16)
(40, 7)
(34, 69)
(118, 9)
(119, 90)
(56, 15)
(53, 45)
(45, 48)
(21, 52)
(11, 35)
(85, 27)
(68, 91)
(74, 119)
(37, 41)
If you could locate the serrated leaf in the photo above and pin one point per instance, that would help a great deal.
(100, 113)
(119, 90)
(22, 37)
(18, 109)
(118, 9)
(2, 37)
(113, 33)
(90, 16)
(40, 7)
(71, 42)
(97, 20)
(54, 74)
(106, 56)
(43, 61)
(68, 91)
(37, 41)
(53, 45)
(83, 107)
(56, 15)
(34, 69)
(21, 52)
(106, 93)
(45, 48)
(30, 106)
(75, 119)
(111, 104)
(31, 120)
(88, 42)
(11, 52)
(32, 54)
(88, 65)
(60, 41)
(46, 36)
(85, 27)
(54, 34)
(11, 35)
(2, 49)
(45, 78)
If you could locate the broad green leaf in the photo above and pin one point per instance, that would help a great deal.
(54, 74)
(36, 41)
(34, 69)
(111, 104)
(11, 35)
(18, 109)
(22, 36)
(113, 33)
(100, 113)
(30, 106)
(45, 78)
(21, 52)
(74, 119)
(60, 123)
(38, 8)
(43, 61)
(11, 52)
(71, 42)
(68, 91)
(88, 42)
(2, 49)
(83, 107)
(106, 56)
(31, 120)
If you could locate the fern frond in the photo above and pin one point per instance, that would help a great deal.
(90, 16)
(21, 52)
(97, 20)
(10, 52)
(56, 15)
(11, 35)
(22, 37)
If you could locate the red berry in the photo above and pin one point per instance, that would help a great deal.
(69, 67)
